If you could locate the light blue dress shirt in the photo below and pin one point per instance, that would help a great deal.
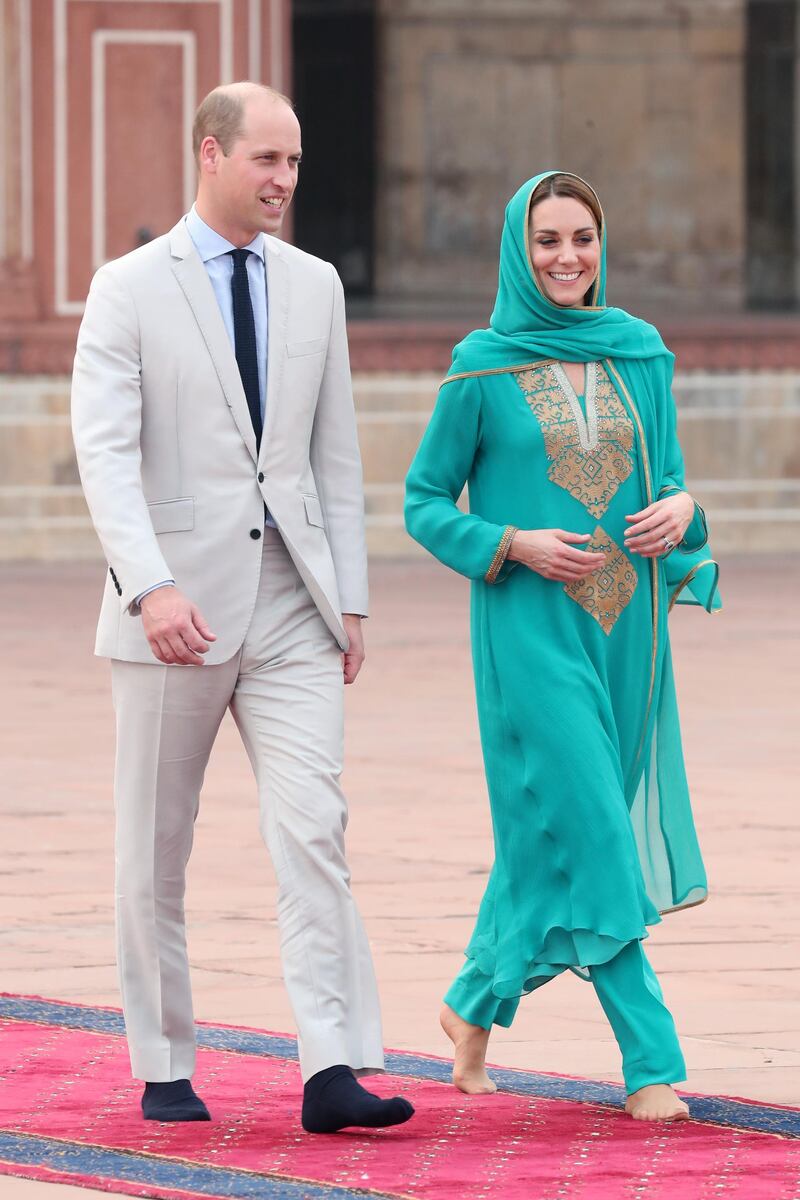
(214, 251)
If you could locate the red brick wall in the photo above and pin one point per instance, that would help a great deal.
(100, 96)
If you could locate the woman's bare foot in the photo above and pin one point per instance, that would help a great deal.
(469, 1065)
(656, 1102)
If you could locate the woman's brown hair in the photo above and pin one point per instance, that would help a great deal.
(568, 185)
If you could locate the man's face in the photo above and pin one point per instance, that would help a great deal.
(252, 186)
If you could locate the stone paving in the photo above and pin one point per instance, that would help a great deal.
(419, 834)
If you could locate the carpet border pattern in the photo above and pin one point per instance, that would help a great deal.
(60, 1161)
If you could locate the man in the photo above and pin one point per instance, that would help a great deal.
(215, 433)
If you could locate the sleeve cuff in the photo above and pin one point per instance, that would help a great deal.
(500, 555)
(138, 599)
(696, 536)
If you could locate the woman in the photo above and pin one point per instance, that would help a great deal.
(579, 538)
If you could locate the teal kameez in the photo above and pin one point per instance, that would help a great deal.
(593, 830)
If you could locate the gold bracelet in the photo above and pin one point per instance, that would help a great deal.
(501, 554)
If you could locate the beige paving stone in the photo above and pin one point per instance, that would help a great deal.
(31, 1189)
(780, 1082)
(419, 837)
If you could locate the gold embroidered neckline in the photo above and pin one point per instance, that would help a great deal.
(594, 475)
(586, 425)
(590, 457)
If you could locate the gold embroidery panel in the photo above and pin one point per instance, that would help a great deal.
(605, 593)
(593, 477)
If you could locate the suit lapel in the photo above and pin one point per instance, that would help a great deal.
(196, 286)
(277, 323)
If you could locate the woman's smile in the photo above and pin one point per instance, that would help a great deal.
(564, 250)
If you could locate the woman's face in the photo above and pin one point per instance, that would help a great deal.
(565, 249)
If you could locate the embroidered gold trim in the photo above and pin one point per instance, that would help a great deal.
(501, 554)
(606, 593)
(687, 579)
(593, 476)
(663, 912)
(539, 362)
(654, 580)
(585, 423)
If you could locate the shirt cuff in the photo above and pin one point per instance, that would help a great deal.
(164, 583)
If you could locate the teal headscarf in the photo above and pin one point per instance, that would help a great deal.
(526, 326)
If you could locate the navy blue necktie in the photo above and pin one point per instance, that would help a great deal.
(244, 334)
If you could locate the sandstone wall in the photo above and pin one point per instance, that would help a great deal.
(643, 97)
(740, 433)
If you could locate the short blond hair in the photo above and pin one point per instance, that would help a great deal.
(221, 113)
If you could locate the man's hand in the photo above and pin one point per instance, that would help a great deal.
(175, 628)
(354, 658)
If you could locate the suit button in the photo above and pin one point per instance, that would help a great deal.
(255, 534)
(260, 476)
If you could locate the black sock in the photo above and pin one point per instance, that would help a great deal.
(334, 1099)
(175, 1101)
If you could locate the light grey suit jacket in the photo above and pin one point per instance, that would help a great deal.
(167, 453)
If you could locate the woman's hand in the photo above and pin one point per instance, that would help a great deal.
(550, 553)
(660, 527)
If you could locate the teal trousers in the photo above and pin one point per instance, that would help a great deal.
(631, 998)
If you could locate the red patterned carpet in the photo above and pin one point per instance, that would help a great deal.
(69, 1113)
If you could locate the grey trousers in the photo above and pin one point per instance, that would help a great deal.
(285, 690)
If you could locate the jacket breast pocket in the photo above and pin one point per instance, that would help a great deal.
(302, 349)
(172, 516)
(314, 511)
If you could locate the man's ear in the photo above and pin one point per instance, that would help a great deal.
(210, 153)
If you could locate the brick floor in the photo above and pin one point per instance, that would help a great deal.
(419, 833)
